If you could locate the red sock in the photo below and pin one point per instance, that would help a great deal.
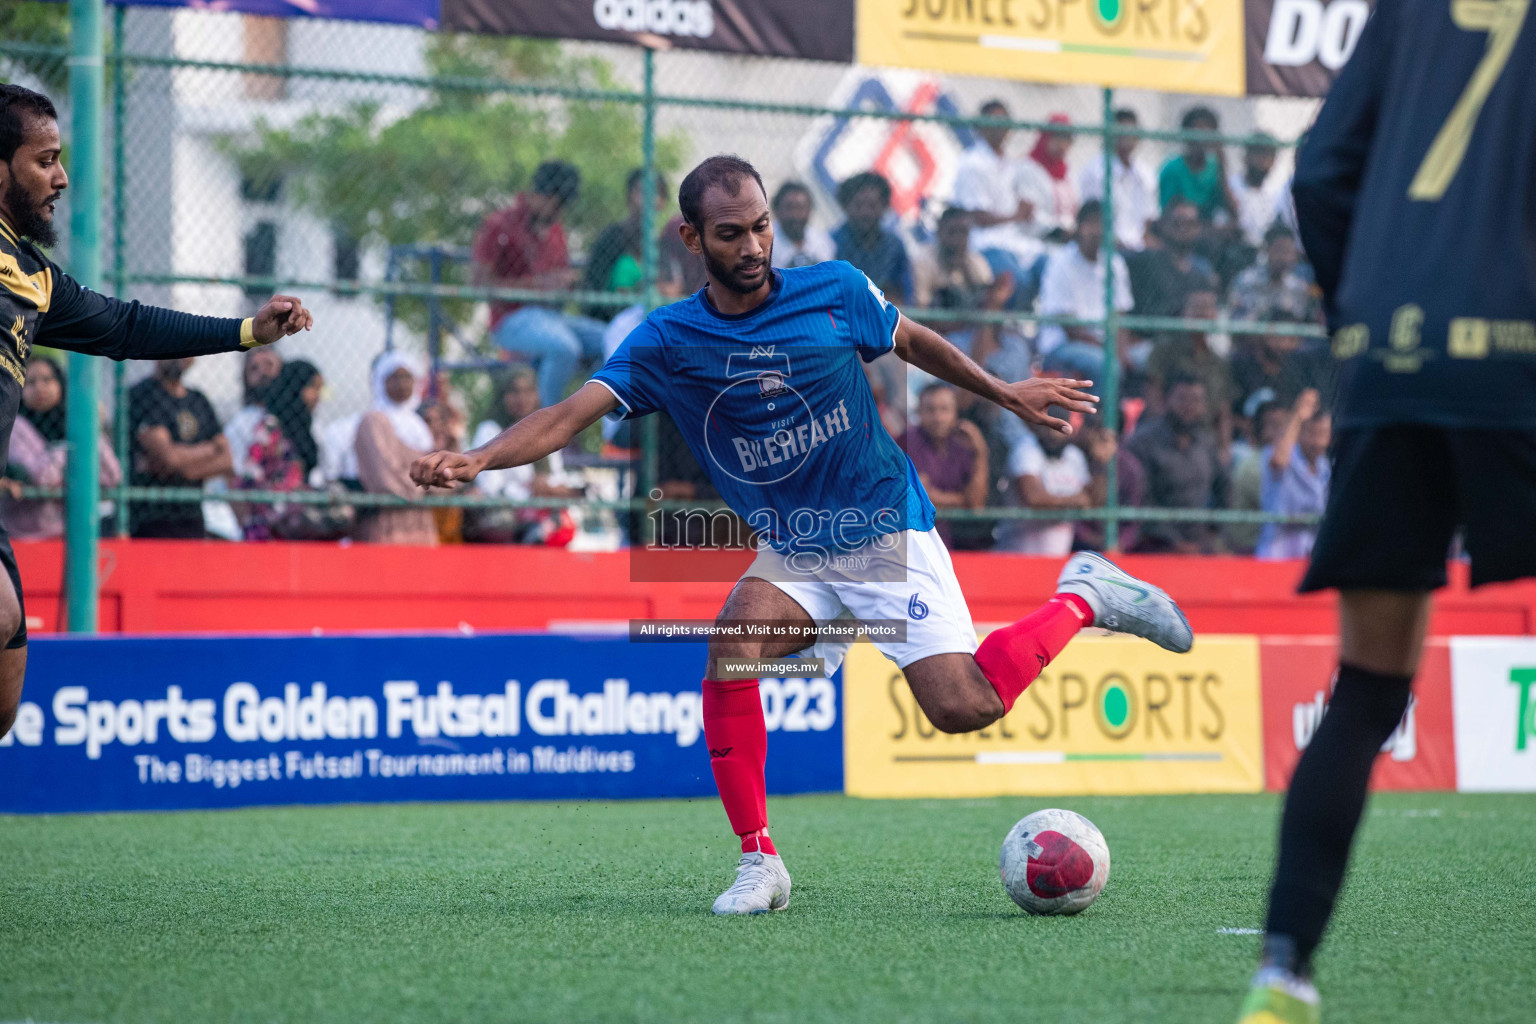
(737, 738)
(1013, 657)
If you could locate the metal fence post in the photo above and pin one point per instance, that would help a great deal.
(1111, 390)
(650, 436)
(119, 263)
(81, 497)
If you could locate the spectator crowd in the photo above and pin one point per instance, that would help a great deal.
(1014, 266)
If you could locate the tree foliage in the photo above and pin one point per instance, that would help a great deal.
(39, 24)
(431, 174)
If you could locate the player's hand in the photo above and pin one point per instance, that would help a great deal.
(1032, 399)
(445, 469)
(281, 316)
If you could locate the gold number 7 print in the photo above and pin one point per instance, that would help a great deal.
(1502, 20)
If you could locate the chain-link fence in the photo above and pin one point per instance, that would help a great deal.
(466, 216)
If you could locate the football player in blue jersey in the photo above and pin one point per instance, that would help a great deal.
(761, 370)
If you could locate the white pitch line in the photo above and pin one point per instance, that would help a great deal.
(1239, 931)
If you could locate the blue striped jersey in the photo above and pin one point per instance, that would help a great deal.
(775, 406)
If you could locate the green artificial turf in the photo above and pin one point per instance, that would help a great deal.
(585, 911)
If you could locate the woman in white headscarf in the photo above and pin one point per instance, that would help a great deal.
(389, 437)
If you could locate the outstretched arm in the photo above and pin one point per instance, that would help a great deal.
(82, 320)
(528, 440)
(1030, 399)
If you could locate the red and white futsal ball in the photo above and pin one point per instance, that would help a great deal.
(1054, 862)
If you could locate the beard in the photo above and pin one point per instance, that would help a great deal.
(729, 277)
(31, 219)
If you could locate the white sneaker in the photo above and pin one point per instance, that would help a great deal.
(1122, 603)
(762, 884)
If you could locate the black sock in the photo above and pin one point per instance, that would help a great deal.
(1323, 807)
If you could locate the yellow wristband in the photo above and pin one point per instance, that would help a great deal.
(248, 333)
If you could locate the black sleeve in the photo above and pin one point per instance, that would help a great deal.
(1332, 158)
(81, 320)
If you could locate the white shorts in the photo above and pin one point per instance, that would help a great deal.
(908, 578)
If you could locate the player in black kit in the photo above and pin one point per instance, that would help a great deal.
(41, 305)
(1416, 197)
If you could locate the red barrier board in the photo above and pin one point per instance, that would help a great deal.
(1297, 678)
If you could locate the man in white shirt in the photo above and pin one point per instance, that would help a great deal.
(1047, 472)
(1135, 187)
(986, 184)
(796, 241)
(1256, 190)
(1073, 285)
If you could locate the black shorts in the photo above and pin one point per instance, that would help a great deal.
(1400, 492)
(8, 559)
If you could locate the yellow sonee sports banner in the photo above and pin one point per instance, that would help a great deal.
(1110, 716)
(1169, 45)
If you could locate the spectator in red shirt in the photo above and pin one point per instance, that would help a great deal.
(523, 246)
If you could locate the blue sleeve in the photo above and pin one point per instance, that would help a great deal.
(1331, 160)
(636, 372)
(871, 316)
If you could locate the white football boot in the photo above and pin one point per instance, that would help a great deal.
(762, 884)
(1122, 603)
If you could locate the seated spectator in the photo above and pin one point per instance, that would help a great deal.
(948, 275)
(260, 368)
(864, 241)
(1184, 469)
(517, 396)
(1101, 446)
(1296, 476)
(1197, 173)
(1255, 190)
(390, 436)
(1189, 354)
(796, 241)
(1267, 366)
(949, 454)
(524, 246)
(1278, 285)
(1074, 286)
(1245, 492)
(1044, 183)
(1049, 472)
(282, 455)
(613, 259)
(40, 451)
(1135, 189)
(176, 443)
(1003, 227)
(1170, 268)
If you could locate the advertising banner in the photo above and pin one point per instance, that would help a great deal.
(1171, 45)
(407, 12)
(1493, 682)
(1296, 47)
(815, 29)
(111, 724)
(1298, 680)
(1109, 716)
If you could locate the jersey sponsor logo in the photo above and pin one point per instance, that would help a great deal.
(792, 442)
